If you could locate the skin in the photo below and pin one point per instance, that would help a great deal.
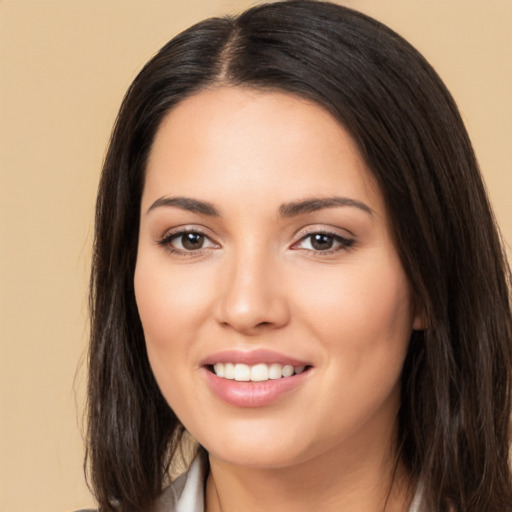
(259, 283)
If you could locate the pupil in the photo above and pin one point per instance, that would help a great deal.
(321, 242)
(192, 241)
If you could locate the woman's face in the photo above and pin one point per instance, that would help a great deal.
(265, 256)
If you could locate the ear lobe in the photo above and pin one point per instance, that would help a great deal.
(419, 322)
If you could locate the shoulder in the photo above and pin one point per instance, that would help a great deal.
(185, 494)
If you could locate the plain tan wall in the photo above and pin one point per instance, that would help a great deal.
(64, 66)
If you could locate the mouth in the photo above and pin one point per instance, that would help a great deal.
(259, 372)
(254, 378)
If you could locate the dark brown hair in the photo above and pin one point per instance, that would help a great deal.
(454, 421)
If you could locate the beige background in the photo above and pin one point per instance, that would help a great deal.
(64, 66)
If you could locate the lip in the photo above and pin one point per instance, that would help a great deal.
(251, 358)
(253, 394)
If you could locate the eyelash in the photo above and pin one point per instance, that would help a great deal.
(168, 238)
(344, 244)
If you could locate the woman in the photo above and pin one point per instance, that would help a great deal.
(296, 263)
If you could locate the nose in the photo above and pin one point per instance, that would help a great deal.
(252, 298)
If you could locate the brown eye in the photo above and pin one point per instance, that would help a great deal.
(322, 242)
(187, 242)
(192, 241)
(326, 243)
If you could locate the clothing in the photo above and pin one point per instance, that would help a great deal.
(186, 494)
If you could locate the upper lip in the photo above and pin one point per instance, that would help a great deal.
(252, 357)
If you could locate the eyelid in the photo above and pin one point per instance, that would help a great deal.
(185, 228)
(346, 242)
(324, 229)
(168, 236)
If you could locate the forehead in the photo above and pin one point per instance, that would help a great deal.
(230, 140)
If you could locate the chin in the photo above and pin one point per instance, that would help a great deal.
(252, 457)
(259, 450)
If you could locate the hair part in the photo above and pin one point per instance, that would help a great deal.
(454, 421)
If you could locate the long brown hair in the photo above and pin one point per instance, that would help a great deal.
(454, 421)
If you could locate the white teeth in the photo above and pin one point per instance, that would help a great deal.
(257, 373)
(242, 372)
(275, 371)
(218, 368)
(288, 370)
(229, 371)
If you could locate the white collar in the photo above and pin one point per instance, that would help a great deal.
(186, 494)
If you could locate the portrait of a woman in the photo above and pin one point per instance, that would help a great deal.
(298, 291)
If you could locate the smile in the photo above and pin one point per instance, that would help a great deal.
(255, 373)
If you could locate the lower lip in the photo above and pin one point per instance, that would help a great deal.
(253, 394)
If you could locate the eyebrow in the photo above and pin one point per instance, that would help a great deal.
(187, 203)
(294, 209)
(286, 210)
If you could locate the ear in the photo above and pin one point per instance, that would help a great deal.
(419, 321)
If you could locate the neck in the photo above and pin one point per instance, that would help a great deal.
(365, 479)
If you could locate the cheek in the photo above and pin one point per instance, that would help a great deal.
(361, 313)
(172, 305)
(361, 318)
(167, 298)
